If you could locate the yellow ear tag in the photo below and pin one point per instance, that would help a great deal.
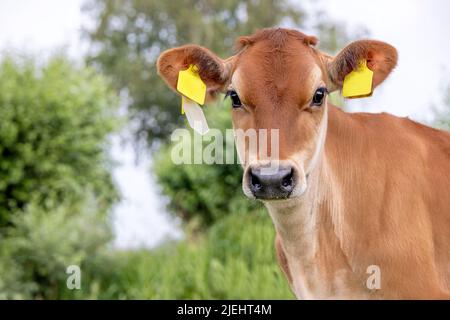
(191, 85)
(358, 83)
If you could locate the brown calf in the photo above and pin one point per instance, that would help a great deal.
(351, 190)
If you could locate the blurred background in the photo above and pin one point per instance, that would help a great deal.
(85, 123)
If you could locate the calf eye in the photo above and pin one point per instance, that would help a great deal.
(235, 101)
(318, 97)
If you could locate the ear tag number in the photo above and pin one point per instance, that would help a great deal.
(191, 85)
(358, 83)
(194, 115)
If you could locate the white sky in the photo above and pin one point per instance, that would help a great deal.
(419, 29)
(41, 26)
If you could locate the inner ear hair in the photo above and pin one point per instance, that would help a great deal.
(210, 67)
(381, 58)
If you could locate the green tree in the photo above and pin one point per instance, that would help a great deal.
(54, 124)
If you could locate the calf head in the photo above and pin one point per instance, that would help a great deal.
(278, 83)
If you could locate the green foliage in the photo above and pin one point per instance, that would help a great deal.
(55, 176)
(234, 259)
(54, 121)
(129, 36)
(35, 254)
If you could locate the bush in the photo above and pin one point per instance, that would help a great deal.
(54, 121)
(234, 259)
(55, 178)
(35, 253)
(203, 193)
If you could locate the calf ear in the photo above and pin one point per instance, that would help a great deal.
(381, 59)
(214, 71)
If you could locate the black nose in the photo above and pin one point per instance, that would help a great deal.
(271, 185)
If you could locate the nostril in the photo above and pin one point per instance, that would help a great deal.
(256, 183)
(288, 181)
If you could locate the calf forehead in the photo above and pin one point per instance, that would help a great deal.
(284, 74)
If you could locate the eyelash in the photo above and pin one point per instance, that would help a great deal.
(324, 92)
(235, 101)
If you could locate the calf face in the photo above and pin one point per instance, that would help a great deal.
(278, 83)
